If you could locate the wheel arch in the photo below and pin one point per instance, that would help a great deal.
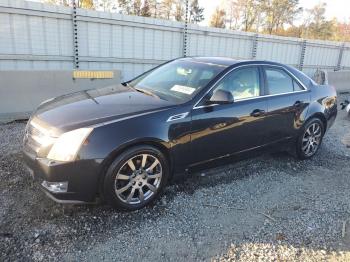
(156, 143)
(320, 116)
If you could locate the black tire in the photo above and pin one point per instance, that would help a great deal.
(302, 143)
(111, 185)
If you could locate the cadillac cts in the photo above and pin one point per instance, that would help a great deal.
(123, 143)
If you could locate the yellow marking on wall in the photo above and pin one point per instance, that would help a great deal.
(93, 74)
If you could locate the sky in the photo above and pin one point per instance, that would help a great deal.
(335, 8)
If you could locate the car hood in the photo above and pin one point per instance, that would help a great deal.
(95, 106)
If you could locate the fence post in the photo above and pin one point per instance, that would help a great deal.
(340, 57)
(302, 55)
(255, 46)
(184, 50)
(75, 35)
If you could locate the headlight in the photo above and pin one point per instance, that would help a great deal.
(67, 145)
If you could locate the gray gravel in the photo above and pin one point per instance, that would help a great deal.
(273, 207)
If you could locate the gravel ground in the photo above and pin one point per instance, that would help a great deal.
(273, 207)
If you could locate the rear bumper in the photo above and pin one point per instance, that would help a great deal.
(82, 177)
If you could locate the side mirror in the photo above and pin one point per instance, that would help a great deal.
(220, 97)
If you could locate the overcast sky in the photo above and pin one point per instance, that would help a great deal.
(335, 8)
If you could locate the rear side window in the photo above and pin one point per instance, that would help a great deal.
(279, 82)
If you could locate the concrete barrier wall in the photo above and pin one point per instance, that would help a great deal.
(35, 36)
(340, 80)
(22, 91)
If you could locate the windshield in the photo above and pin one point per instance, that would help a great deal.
(177, 81)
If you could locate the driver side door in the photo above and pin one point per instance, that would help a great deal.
(221, 129)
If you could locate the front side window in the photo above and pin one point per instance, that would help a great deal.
(241, 83)
(179, 80)
(279, 82)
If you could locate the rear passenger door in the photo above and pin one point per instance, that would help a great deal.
(287, 99)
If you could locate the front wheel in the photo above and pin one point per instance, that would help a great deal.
(310, 139)
(136, 178)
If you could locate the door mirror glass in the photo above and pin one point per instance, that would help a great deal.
(220, 97)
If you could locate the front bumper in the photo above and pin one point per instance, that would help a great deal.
(82, 177)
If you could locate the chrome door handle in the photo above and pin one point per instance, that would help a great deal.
(257, 112)
(298, 103)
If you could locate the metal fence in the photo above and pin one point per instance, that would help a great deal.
(35, 36)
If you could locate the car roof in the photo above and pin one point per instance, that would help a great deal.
(226, 61)
(223, 61)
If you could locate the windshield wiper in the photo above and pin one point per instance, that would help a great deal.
(144, 91)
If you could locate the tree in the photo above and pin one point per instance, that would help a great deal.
(126, 6)
(146, 9)
(87, 4)
(342, 32)
(58, 2)
(233, 13)
(179, 10)
(136, 7)
(250, 14)
(166, 8)
(316, 25)
(196, 12)
(107, 5)
(154, 8)
(218, 18)
(278, 13)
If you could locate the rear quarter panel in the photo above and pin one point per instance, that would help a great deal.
(323, 104)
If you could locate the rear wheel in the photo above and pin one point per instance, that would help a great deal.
(310, 138)
(136, 178)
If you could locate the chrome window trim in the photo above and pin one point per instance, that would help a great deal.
(255, 97)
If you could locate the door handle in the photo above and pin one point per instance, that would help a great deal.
(298, 103)
(257, 112)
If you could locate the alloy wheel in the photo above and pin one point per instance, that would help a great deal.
(312, 139)
(138, 179)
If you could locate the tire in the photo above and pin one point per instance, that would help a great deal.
(310, 138)
(136, 178)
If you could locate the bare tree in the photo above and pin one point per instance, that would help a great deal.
(166, 8)
(154, 8)
(196, 12)
(234, 9)
(107, 5)
(136, 7)
(146, 9)
(58, 2)
(179, 12)
(125, 6)
(318, 27)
